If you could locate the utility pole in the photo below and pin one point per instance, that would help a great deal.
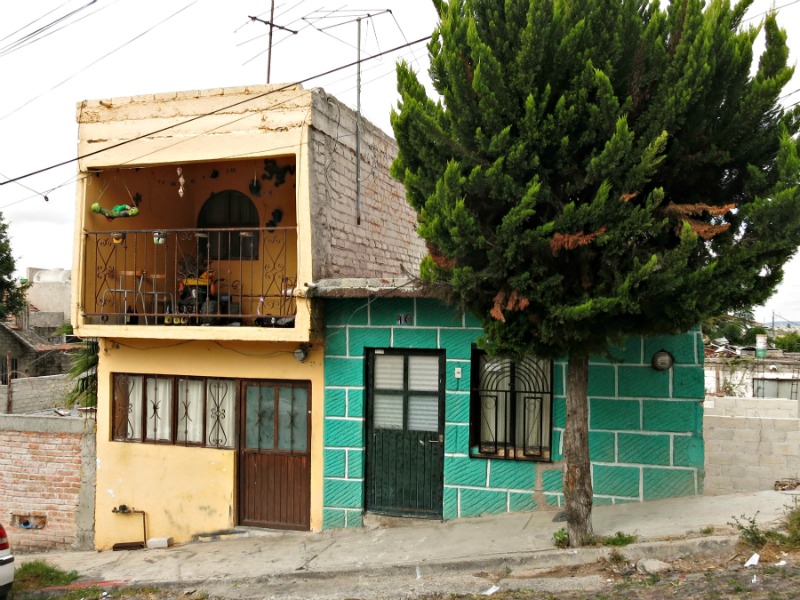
(358, 126)
(272, 26)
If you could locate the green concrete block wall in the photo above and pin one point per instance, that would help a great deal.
(645, 426)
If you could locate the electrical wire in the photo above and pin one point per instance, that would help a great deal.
(213, 112)
(91, 64)
(37, 35)
(773, 9)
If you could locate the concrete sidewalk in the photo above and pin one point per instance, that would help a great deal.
(666, 529)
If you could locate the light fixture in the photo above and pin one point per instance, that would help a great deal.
(118, 237)
(301, 352)
(662, 361)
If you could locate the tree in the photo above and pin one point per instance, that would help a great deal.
(12, 293)
(595, 169)
(789, 342)
(82, 370)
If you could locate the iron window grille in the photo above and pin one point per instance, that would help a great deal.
(511, 407)
(174, 410)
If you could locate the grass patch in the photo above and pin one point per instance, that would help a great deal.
(39, 574)
(707, 530)
(619, 539)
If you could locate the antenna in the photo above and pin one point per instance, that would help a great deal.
(272, 26)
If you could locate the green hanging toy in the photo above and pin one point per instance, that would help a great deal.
(120, 210)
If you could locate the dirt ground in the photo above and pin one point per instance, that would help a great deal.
(688, 579)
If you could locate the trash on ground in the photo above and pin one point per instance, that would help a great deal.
(490, 591)
(752, 561)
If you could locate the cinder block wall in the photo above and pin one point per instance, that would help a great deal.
(750, 443)
(47, 478)
(645, 426)
(33, 394)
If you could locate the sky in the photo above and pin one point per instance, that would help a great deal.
(55, 53)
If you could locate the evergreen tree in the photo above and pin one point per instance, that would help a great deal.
(12, 294)
(595, 169)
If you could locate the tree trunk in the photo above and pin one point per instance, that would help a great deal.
(578, 471)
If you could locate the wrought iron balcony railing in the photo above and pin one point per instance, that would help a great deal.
(242, 276)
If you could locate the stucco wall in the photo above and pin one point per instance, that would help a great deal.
(645, 426)
(32, 394)
(187, 491)
(750, 443)
(47, 478)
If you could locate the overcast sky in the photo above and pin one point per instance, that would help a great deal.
(55, 53)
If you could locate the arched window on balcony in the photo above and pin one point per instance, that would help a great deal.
(237, 215)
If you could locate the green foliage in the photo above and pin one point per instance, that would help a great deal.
(619, 539)
(597, 169)
(561, 538)
(749, 532)
(616, 557)
(789, 342)
(83, 371)
(12, 293)
(39, 574)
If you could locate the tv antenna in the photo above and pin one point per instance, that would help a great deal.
(272, 26)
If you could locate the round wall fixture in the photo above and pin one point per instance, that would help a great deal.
(662, 361)
(301, 353)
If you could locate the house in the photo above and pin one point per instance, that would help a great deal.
(25, 350)
(420, 422)
(203, 219)
(264, 360)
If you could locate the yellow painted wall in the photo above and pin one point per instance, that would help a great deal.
(187, 491)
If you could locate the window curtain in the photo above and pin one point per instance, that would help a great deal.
(159, 409)
(220, 413)
(190, 411)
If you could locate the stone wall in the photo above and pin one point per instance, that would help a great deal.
(750, 443)
(645, 425)
(47, 475)
(32, 394)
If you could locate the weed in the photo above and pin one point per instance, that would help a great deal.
(39, 574)
(561, 538)
(739, 588)
(707, 530)
(619, 539)
(749, 532)
(652, 579)
(616, 557)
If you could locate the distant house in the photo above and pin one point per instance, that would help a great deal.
(26, 349)
(264, 363)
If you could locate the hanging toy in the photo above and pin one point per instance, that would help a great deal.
(120, 210)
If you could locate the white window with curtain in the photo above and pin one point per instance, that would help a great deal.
(191, 397)
(167, 409)
(159, 409)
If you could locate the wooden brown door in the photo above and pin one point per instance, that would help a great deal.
(274, 455)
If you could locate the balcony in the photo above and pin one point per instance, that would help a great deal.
(242, 277)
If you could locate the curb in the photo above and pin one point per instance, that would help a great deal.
(666, 550)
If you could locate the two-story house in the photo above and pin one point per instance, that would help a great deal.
(203, 220)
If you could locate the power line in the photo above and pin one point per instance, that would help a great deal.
(213, 112)
(766, 12)
(106, 55)
(36, 35)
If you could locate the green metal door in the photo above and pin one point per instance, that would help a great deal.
(405, 432)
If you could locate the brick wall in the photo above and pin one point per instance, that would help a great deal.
(750, 443)
(645, 426)
(35, 393)
(47, 473)
(384, 243)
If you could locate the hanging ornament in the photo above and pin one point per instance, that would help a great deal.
(181, 181)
